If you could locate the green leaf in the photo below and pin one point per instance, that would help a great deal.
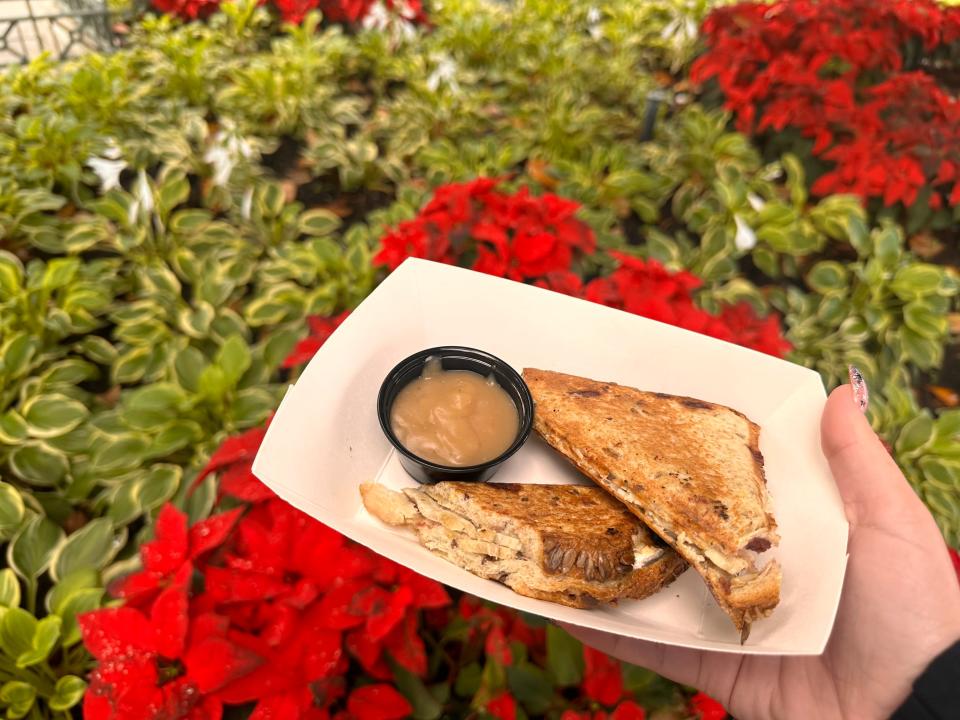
(66, 693)
(915, 281)
(30, 551)
(52, 415)
(97, 349)
(888, 245)
(214, 383)
(318, 222)
(38, 464)
(123, 507)
(425, 706)
(92, 546)
(131, 365)
(122, 453)
(189, 365)
(11, 275)
(468, 680)
(828, 277)
(19, 697)
(174, 436)
(17, 353)
(200, 502)
(531, 686)
(13, 428)
(9, 588)
(195, 322)
(159, 486)
(923, 321)
(915, 435)
(45, 638)
(59, 273)
(77, 603)
(564, 657)
(234, 359)
(11, 509)
(79, 579)
(17, 628)
(924, 352)
(153, 406)
(252, 406)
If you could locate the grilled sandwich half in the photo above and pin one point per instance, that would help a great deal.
(691, 470)
(568, 544)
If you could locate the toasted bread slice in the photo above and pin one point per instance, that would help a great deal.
(568, 544)
(691, 470)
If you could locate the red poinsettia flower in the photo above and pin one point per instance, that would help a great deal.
(167, 560)
(503, 706)
(602, 678)
(955, 557)
(628, 710)
(321, 328)
(518, 236)
(160, 666)
(706, 708)
(378, 702)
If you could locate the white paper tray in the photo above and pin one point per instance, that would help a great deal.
(325, 440)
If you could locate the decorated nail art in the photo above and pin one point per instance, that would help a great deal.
(861, 394)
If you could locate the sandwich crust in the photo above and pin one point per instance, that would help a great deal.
(573, 545)
(691, 470)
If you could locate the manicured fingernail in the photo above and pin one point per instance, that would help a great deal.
(861, 394)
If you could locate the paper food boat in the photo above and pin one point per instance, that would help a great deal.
(325, 440)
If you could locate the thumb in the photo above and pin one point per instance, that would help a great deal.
(873, 488)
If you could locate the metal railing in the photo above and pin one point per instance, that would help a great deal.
(63, 28)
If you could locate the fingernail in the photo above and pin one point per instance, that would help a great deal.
(861, 394)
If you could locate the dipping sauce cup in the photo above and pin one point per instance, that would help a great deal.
(455, 358)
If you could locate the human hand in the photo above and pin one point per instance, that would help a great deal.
(900, 606)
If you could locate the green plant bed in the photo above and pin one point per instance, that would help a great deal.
(175, 216)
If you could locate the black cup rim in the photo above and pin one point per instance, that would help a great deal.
(526, 419)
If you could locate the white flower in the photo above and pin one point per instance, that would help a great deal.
(377, 17)
(756, 202)
(222, 155)
(593, 23)
(108, 168)
(246, 204)
(380, 18)
(142, 198)
(445, 72)
(746, 238)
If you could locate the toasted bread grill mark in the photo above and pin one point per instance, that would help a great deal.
(695, 478)
(556, 545)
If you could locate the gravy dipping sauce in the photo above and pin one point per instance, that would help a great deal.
(454, 417)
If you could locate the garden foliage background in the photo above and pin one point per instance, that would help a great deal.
(184, 222)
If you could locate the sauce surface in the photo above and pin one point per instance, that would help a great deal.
(454, 417)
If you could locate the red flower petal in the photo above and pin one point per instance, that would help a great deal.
(233, 449)
(116, 633)
(955, 557)
(381, 621)
(322, 656)
(497, 647)
(706, 708)
(406, 647)
(628, 710)
(503, 706)
(210, 533)
(427, 593)
(168, 551)
(239, 481)
(602, 679)
(169, 619)
(378, 702)
(213, 662)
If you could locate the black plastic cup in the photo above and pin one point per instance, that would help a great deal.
(455, 358)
